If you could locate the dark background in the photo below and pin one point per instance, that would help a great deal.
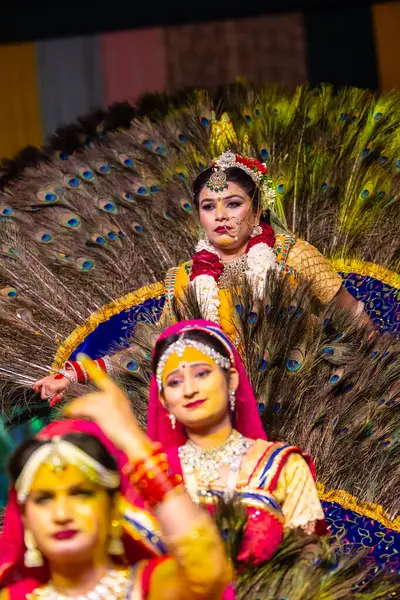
(336, 29)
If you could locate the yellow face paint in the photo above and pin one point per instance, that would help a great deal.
(68, 515)
(219, 203)
(195, 390)
(190, 355)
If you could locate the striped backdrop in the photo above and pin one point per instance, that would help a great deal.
(50, 83)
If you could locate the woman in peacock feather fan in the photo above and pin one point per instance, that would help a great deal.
(232, 196)
(81, 231)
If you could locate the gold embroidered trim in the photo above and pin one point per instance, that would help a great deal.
(366, 509)
(169, 289)
(367, 269)
(76, 337)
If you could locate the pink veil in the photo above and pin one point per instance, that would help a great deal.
(247, 419)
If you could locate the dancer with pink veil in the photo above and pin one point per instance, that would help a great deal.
(203, 410)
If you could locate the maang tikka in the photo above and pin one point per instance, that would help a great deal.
(217, 181)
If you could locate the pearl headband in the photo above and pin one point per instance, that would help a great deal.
(58, 453)
(179, 347)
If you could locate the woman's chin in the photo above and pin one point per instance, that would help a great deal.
(69, 550)
(199, 419)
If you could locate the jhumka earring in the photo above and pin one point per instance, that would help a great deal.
(256, 230)
(115, 546)
(32, 557)
(232, 400)
(172, 418)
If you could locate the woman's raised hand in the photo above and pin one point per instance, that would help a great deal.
(111, 410)
(51, 387)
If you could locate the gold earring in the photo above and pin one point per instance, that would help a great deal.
(32, 557)
(116, 547)
(256, 230)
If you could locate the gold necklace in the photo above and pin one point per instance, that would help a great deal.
(206, 463)
(114, 586)
(233, 272)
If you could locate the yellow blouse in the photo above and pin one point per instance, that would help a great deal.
(295, 490)
(294, 496)
(295, 257)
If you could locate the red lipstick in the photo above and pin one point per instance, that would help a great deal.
(222, 229)
(195, 404)
(65, 535)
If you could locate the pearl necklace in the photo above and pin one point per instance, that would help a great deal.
(113, 586)
(206, 463)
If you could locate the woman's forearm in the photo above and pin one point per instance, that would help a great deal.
(200, 556)
(176, 512)
(188, 532)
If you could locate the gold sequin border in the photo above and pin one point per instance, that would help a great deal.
(78, 335)
(367, 269)
(366, 509)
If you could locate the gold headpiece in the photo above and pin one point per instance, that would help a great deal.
(59, 453)
(256, 169)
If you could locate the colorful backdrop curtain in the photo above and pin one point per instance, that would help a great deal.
(266, 49)
(134, 63)
(20, 122)
(386, 19)
(70, 80)
(55, 81)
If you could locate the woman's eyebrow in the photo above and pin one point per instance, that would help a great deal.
(226, 198)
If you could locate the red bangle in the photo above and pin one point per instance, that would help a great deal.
(100, 362)
(133, 465)
(153, 476)
(154, 486)
(80, 372)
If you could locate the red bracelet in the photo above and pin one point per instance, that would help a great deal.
(101, 363)
(155, 487)
(134, 465)
(79, 370)
(153, 477)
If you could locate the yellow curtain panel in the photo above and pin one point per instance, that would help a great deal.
(19, 106)
(387, 44)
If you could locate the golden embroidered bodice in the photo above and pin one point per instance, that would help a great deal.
(292, 499)
(294, 256)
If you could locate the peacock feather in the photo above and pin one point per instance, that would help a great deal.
(107, 208)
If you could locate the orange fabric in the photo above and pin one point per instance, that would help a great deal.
(386, 18)
(20, 123)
